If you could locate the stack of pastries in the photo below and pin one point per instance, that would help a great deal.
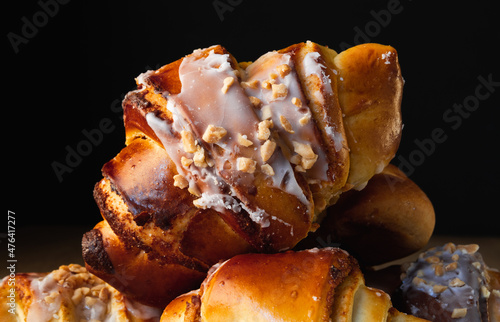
(233, 171)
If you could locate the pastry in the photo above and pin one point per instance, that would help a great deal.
(451, 283)
(69, 293)
(223, 158)
(311, 285)
(387, 220)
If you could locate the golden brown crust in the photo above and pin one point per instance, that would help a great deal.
(387, 220)
(312, 285)
(370, 93)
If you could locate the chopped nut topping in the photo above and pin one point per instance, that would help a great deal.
(267, 169)
(439, 288)
(450, 247)
(299, 168)
(438, 269)
(194, 191)
(485, 292)
(246, 164)
(264, 132)
(253, 84)
(243, 140)
(228, 81)
(213, 133)
(455, 257)
(90, 301)
(286, 124)
(188, 141)
(267, 150)
(199, 158)
(468, 249)
(186, 162)
(266, 112)
(180, 181)
(296, 159)
(459, 313)
(432, 260)
(417, 281)
(305, 119)
(307, 163)
(304, 149)
(297, 102)
(283, 70)
(456, 282)
(451, 267)
(267, 84)
(273, 76)
(255, 101)
(477, 265)
(104, 294)
(496, 293)
(279, 91)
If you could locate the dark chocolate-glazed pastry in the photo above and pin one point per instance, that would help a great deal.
(451, 283)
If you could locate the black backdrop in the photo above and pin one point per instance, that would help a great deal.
(69, 63)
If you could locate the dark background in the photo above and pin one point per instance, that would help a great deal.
(71, 71)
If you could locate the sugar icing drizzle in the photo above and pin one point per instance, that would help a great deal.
(230, 125)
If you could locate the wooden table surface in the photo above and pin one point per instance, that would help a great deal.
(45, 248)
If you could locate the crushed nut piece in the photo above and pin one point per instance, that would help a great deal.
(296, 159)
(283, 70)
(267, 150)
(299, 168)
(455, 257)
(451, 267)
(485, 292)
(186, 162)
(188, 141)
(266, 112)
(213, 133)
(253, 84)
(246, 164)
(180, 181)
(305, 119)
(417, 281)
(267, 169)
(286, 124)
(273, 76)
(459, 313)
(307, 163)
(438, 269)
(228, 81)
(267, 84)
(439, 288)
(255, 101)
(297, 102)
(104, 294)
(199, 158)
(477, 265)
(456, 282)
(279, 91)
(264, 132)
(243, 140)
(432, 260)
(304, 149)
(468, 249)
(450, 247)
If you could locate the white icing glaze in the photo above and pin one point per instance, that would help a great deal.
(260, 70)
(39, 310)
(202, 102)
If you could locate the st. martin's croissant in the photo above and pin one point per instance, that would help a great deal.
(69, 293)
(311, 285)
(224, 158)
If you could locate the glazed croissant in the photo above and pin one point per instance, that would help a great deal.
(312, 285)
(69, 293)
(223, 158)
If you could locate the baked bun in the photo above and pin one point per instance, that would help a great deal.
(69, 293)
(224, 158)
(311, 285)
(451, 283)
(389, 219)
